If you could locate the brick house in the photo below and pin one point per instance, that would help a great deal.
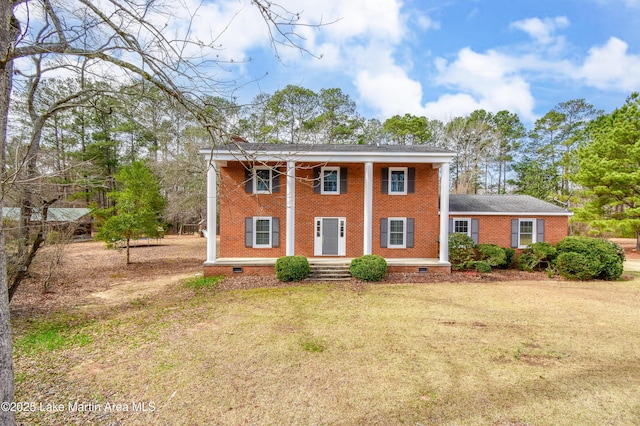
(507, 220)
(329, 203)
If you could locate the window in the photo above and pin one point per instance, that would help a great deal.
(461, 226)
(330, 180)
(397, 232)
(262, 232)
(262, 180)
(526, 232)
(398, 180)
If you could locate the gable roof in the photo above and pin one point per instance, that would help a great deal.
(329, 152)
(503, 204)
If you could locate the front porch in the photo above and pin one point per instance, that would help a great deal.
(265, 265)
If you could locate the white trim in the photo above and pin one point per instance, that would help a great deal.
(368, 208)
(508, 214)
(330, 169)
(404, 232)
(356, 156)
(534, 234)
(461, 219)
(255, 231)
(256, 180)
(444, 218)
(318, 233)
(212, 225)
(291, 209)
(406, 180)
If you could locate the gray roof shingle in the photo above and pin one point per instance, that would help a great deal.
(507, 203)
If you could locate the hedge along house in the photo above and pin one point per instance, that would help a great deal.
(507, 220)
(329, 203)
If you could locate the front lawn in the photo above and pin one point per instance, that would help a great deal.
(503, 353)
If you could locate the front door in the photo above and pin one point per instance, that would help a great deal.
(330, 238)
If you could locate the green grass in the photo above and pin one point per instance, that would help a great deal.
(50, 334)
(508, 353)
(203, 283)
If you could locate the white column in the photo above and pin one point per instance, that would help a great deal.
(368, 207)
(212, 222)
(291, 208)
(444, 212)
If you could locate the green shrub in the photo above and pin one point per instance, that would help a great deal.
(599, 259)
(461, 250)
(480, 266)
(292, 268)
(535, 255)
(369, 267)
(510, 257)
(576, 266)
(492, 254)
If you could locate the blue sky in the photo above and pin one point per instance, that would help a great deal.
(441, 58)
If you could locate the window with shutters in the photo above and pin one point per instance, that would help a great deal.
(397, 180)
(462, 226)
(330, 183)
(262, 232)
(397, 232)
(262, 180)
(526, 232)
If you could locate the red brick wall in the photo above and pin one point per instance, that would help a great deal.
(421, 205)
(497, 229)
(236, 204)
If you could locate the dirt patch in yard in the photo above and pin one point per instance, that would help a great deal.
(91, 275)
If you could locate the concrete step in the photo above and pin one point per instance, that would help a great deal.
(329, 272)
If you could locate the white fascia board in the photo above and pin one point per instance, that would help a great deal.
(332, 157)
(522, 214)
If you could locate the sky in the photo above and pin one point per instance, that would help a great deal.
(440, 59)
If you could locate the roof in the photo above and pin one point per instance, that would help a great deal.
(503, 204)
(330, 152)
(55, 214)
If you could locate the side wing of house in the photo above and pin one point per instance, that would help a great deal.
(514, 221)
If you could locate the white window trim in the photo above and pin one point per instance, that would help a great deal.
(533, 231)
(406, 180)
(404, 233)
(468, 220)
(255, 232)
(255, 180)
(337, 170)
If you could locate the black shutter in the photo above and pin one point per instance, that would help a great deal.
(410, 233)
(451, 226)
(275, 181)
(275, 232)
(515, 230)
(411, 180)
(343, 180)
(475, 225)
(383, 232)
(385, 180)
(316, 180)
(248, 180)
(248, 232)
(540, 231)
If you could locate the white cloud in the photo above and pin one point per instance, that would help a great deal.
(391, 92)
(611, 67)
(490, 81)
(542, 30)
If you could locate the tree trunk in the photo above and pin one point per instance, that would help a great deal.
(8, 36)
(128, 250)
(638, 241)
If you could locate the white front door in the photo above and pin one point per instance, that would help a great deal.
(330, 236)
